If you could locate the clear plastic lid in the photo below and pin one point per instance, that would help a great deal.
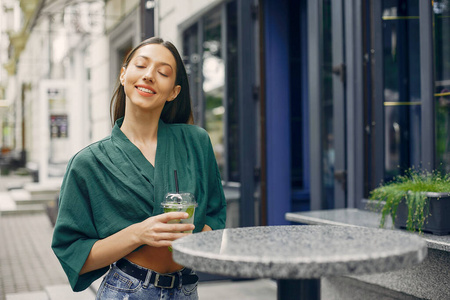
(179, 198)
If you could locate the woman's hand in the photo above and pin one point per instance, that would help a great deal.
(154, 231)
(158, 232)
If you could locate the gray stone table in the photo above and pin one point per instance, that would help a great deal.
(427, 280)
(292, 254)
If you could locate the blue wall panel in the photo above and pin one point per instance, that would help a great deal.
(277, 91)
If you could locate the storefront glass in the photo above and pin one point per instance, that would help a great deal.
(441, 10)
(328, 154)
(401, 86)
(210, 55)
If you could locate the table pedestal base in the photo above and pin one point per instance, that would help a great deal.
(290, 289)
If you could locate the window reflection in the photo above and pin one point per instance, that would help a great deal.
(213, 84)
(232, 136)
(327, 108)
(192, 60)
(401, 82)
(211, 57)
(441, 11)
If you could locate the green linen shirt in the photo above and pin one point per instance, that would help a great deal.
(110, 185)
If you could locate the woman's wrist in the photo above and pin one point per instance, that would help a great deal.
(133, 231)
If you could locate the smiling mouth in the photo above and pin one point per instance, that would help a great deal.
(142, 89)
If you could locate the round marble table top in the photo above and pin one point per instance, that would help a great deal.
(294, 252)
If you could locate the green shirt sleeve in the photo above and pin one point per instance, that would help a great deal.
(110, 185)
(75, 232)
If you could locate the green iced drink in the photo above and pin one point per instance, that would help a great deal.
(180, 202)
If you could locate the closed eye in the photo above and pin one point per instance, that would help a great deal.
(163, 74)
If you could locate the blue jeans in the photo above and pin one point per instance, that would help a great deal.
(118, 285)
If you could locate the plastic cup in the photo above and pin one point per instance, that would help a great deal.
(180, 202)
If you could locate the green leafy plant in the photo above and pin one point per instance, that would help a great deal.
(412, 188)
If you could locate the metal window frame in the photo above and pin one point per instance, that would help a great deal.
(377, 126)
(247, 112)
(314, 88)
(224, 42)
(428, 154)
(340, 103)
(354, 101)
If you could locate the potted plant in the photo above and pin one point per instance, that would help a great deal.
(418, 200)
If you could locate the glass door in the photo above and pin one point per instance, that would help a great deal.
(396, 100)
(333, 138)
(401, 86)
(441, 12)
(410, 89)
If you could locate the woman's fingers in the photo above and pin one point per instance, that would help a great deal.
(170, 236)
(161, 239)
(176, 227)
(167, 217)
(162, 229)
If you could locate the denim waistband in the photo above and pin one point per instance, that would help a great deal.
(167, 281)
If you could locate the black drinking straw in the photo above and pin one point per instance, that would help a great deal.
(176, 180)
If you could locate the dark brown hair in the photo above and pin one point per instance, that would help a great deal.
(176, 111)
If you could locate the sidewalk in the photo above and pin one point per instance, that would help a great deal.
(27, 263)
(10, 181)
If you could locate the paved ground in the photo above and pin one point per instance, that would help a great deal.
(26, 259)
(10, 181)
(27, 263)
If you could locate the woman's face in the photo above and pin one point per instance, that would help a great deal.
(149, 78)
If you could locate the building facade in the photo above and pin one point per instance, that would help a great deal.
(345, 95)
(309, 104)
(48, 65)
(367, 82)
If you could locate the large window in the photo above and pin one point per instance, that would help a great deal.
(297, 144)
(213, 72)
(409, 108)
(441, 10)
(327, 107)
(401, 86)
(210, 54)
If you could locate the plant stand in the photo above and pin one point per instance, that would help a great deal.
(438, 220)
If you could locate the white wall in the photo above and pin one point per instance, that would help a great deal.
(117, 10)
(32, 67)
(70, 70)
(100, 89)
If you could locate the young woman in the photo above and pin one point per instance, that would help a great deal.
(110, 215)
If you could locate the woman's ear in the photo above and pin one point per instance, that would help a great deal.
(122, 75)
(175, 92)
